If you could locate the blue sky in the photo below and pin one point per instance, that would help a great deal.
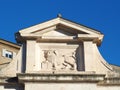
(102, 15)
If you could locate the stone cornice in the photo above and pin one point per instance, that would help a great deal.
(113, 81)
(33, 77)
(100, 79)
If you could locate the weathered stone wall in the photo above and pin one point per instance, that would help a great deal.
(68, 86)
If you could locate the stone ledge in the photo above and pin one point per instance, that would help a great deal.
(9, 81)
(62, 72)
(32, 77)
(110, 81)
(3, 79)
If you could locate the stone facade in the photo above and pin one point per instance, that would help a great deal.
(8, 52)
(8, 46)
(60, 55)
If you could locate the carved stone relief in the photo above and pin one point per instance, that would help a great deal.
(54, 60)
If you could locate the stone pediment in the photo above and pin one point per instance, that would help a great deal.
(62, 45)
(60, 28)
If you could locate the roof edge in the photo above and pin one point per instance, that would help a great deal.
(10, 43)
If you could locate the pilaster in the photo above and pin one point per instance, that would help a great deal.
(88, 55)
(30, 56)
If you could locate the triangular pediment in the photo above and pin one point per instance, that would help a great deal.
(60, 27)
(59, 22)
